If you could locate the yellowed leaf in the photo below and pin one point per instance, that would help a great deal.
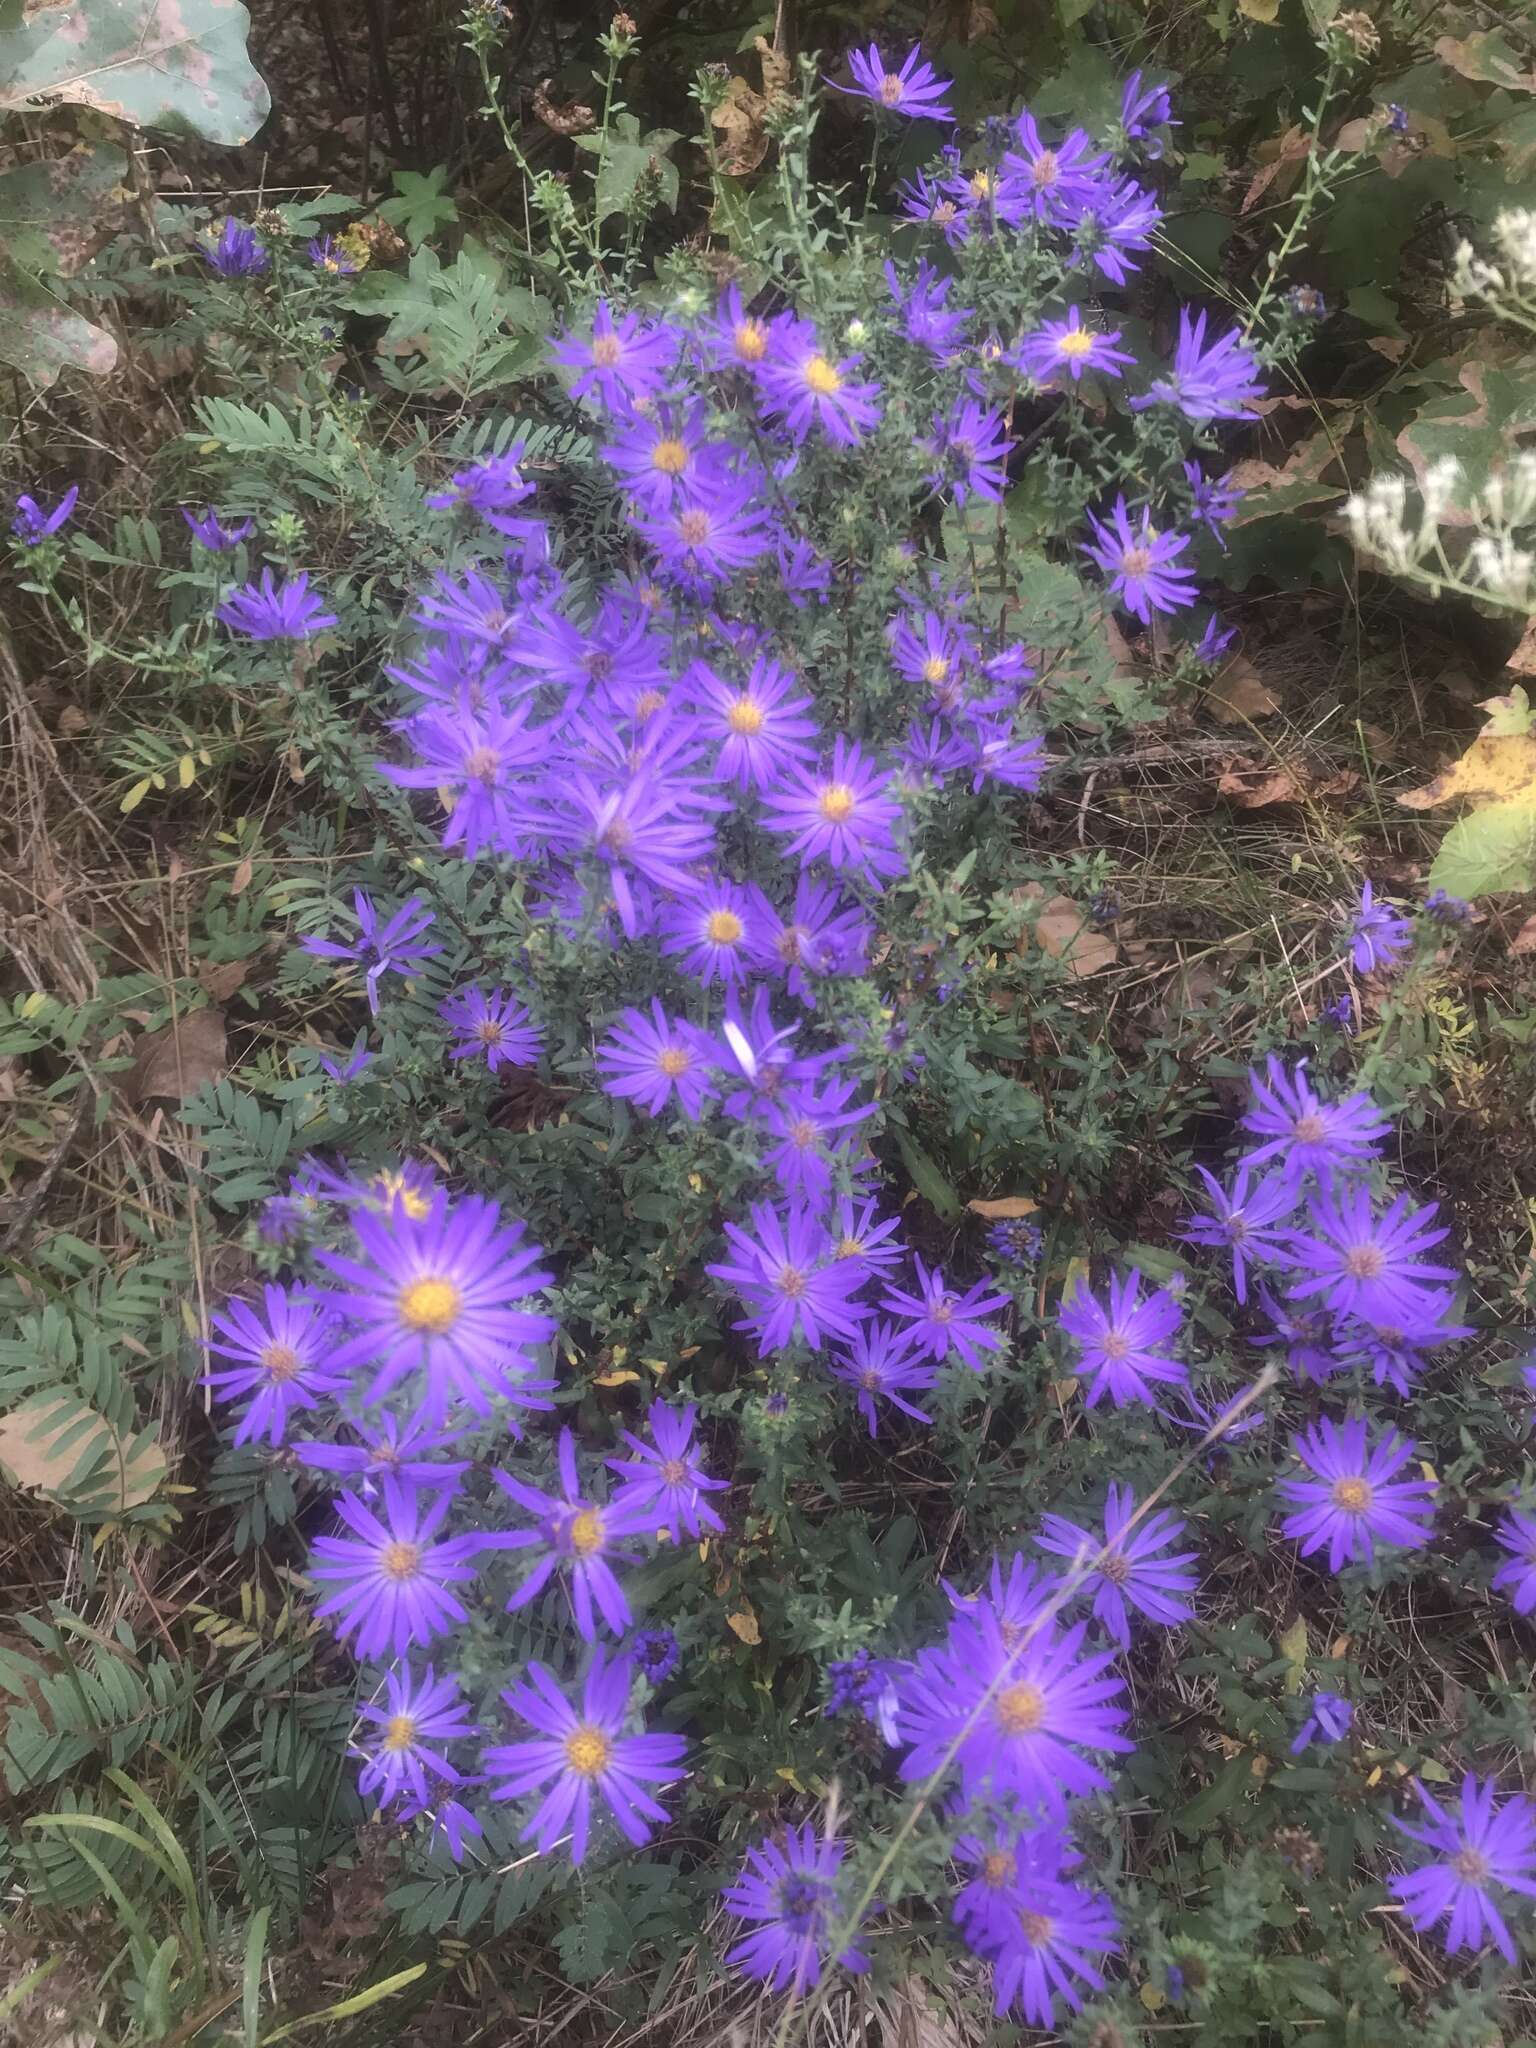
(1264, 11)
(745, 1626)
(615, 1379)
(1491, 771)
(1004, 1209)
(1293, 1648)
(48, 1439)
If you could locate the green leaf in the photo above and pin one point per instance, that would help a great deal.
(422, 205)
(627, 158)
(173, 64)
(926, 1177)
(40, 336)
(1493, 849)
(1223, 1791)
(346, 2007)
(56, 212)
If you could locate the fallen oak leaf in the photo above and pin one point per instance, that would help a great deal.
(179, 1059)
(1237, 691)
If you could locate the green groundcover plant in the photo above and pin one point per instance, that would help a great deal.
(709, 1523)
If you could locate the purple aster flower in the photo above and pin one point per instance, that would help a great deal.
(1307, 302)
(751, 1048)
(760, 725)
(328, 255)
(926, 321)
(1202, 1418)
(1129, 1573)
(358, 1061)
(1353, 1499)
(1306, 1134)
(388, 1450)
(620, 360)
(490, 1024)
(935, 651)
(1328, 1720)
(1395, 1351)
(1308, 1337)
(1214, 642)
(1378, 935)
(821, 934)
(811, 1129)
(439, 1298)
(665, 456)
(803, 574)
(1016, 1603)
(270, 610)
(638, 832)
(801, 388)
(1248, 1221)
(656, 1654)
(838, 813)
(1011, 1720)
(1121, 1347)
(784, 1273)
(1215, 500)
(391, 1579)
(942, 1322)
(665, 1479)
(281, 1356)
(1049, 177)
(1366, 1265)
(933, 200)
(1144, 107)
(391, 948)
(210, 532)
(932, 753)
(1060, 347)
(1216, 383)
(1139, 562)
(1446, 909)
(791, 1896)
(737, 339)
(866, 1236)
(1108, 224)
(1043, 1945)
(1016, 1240)
(1486, 1843)
(32, 525)
(577, 1537)
(450, 1818)
(1517, 1534)
(861, 1683)
(473, 610)
(652, 1059)
(1007, 1856)
(969, 451)
(707, 537)
(235, 251)
(587, 1754)
(415, 1718)
(491, 488)
(881, 1359)
(915, 90)
(996, 755)
(712, 933)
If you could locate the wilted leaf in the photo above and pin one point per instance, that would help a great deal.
(739, 117)
(1253, 785)
(1524, 940)
(1511, 716)
(219, 983)
(744, 1625)
(1495, 769)
(1063, 930)
(57, 212)
(1264, 11)
(1237, 691)
(1283, 157)
(172, 64)
(179, 1059)
(1293, 1648)
(1486, 58)
(55, 1445)
(1004, 1209)
(621, 1377)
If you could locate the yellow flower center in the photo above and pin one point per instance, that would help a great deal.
(890, 90)
(802, 1133)
(1116, 1569)
(1472, 1865)
(936, 668)
(836, 803)
(849, 1248)
(1045, 170)
(399, 1733)
(393, 1188)
(694, 527)
(279, 1362)
(1021, 1709)
(723, 928)
(750, 340)
(616, 835)
(1364, 1261)
(998, 1868)
(606, 351)
(586, 1532)
(822, 377)
(400, 1561)
(1136, 561)
(1309, 1130)
(649, 704)
(483, 765)
(746, 717)
(673, 1471)
(791, 1282)
(981, 185)
(673, 1061)
(1352, 1495)
(586, 1751)
(942, 1312)
(1077, 341)
(1036, 1928)
(670, 456)
(869, 1378)
(488, 1031)
(1115, 1347)
(431, 1305)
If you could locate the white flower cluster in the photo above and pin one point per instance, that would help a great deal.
(1498, 512)
(1508, 282)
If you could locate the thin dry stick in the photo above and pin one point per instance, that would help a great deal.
(1078, 1574)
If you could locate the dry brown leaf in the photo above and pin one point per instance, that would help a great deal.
(73, 722)
(178, 1060)
(744, 1626)
(739, 117)
(1393, 347)
(1274, 786)
(1237, 691)
(1004, 1209)
(1062, 930)
(1280, 160)
(1524, 940)
(959, 21)
(777, 69)
(1522, 661)
(219, 983)
(42, 1442)
(241, 879)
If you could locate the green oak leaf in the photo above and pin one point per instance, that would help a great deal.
(1492, 850)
